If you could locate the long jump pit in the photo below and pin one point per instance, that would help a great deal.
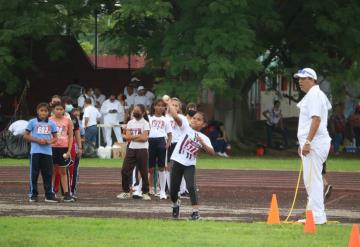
(227, 195)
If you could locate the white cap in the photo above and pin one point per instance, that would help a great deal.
(134, 79)
(140, 88)
(306, 72)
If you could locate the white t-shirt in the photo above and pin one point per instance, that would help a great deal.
(314, 103)
(141, 100)
(137, 128)
(159, 126)
(18, 127)
(130, 99)
(274, 115)
(112, 118)
(92, 113)
(81, 100)
(186, 149)
(176, 131)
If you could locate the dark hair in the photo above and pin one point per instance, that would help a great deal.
(205, 119)
(88, 101)
(41, 105)
(152, 108)
(143, 111)
(190, 105)
(58, 104)
(56, 96)
(67, 100)
(276, 102)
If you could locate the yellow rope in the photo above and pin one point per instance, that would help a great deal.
(295, 195)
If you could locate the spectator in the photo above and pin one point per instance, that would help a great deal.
(191, 109)
(337, 124)
(130, 96)
(275, 123)
(90, 118)
(99, 98)
(140, 98)
(88, 93)
(114, 114)
(218, 138)
(150, 95)
(134, 82)
(355, 124)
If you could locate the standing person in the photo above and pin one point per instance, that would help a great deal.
(130, 96)
(78, 148)
(314, 140)
(176, 134)
(88, 93)
(62, 148)
(99, 98)
(274, 122)
(137, 134)
(41, 132)
(355, 125)
(338, 123)
(191, 109)
(159, 142)
(184, 159)
(114, 114)
(140, 98)
(90, 119)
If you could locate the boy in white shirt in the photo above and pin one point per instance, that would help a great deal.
(90, 119)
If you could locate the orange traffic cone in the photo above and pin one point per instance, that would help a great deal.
(309, 223)
(273, 217)
(354, 237)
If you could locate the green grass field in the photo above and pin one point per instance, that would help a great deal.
(344, 165)
(25, 231)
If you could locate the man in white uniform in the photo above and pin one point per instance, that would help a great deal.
(140, 98)
(113, 113)
(314, 140)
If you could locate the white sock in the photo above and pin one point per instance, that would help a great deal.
(183, 186)
(134, 177)
(139, 187)
(162, 180)
(168, 179)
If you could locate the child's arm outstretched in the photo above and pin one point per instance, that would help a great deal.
(208, 149)
(173, 113)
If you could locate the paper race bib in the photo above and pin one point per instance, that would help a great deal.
(43, 129)
(158, 124)
(135, 132)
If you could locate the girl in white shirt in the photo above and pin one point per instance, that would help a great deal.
(137, 134)
(159, 142)
(184, 156)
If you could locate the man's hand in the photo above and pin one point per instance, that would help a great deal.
(305, 149)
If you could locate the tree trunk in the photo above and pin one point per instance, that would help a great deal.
(234, 113)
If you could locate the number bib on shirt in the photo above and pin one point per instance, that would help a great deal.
(43, 129)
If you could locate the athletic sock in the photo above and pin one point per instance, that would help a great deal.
(183, 186)
(162, 180)
(168, 179)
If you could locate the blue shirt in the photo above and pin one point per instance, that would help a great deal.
(41, 129)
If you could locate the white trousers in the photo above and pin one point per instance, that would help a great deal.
(312, 168)
(118, 135)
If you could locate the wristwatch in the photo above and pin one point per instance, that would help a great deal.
(308, 142)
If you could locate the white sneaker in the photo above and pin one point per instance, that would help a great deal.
(137, 195)
(123, 196)
(146, 197)
(225, 155)
(218, 153)
(162, 196)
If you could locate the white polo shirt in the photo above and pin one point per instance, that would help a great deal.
(159, 126)
(137, 128)
(188, 146)
(92, 113)
(314, 103)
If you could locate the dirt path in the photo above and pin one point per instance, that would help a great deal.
(224, 195)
